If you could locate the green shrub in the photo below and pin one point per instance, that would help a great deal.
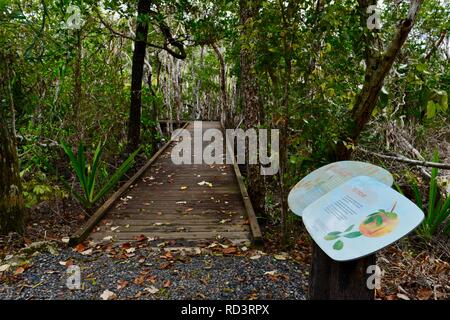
(87, 174)
(437, 209)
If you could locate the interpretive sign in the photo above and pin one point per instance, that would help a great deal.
(325, 179)
(360, 217)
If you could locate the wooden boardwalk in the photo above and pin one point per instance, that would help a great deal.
(189, 203)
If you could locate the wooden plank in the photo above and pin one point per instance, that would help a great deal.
(207, 235)
(144, 222)
(83, 232)
(176, 228)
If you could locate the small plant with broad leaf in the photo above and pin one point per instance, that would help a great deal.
(87, 174)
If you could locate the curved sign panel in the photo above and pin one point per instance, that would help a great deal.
(325, 179)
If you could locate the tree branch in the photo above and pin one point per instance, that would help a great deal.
(407, 160)
(170, 41)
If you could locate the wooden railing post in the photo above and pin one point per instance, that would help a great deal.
(333, 280)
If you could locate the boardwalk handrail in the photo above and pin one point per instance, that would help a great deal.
(84, 231)
(254, 226)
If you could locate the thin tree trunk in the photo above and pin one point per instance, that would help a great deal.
(137, 71)
(197, 88)
(223, 83)
(12, 211)
(250, 98)
(284, 123)
(77, 90)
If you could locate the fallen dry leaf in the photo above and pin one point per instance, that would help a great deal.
(139, 280)
(141, 238)
(19, 270)
(280, 257)
(151, 290)
(167, 283)
(165, 265)
(4, 267)
(402, 296)
(108, 295)
(87, 252)
(65, 239)
(230, 250)
(121, 284)
(209, 184)
(424, 294)
(79, 247)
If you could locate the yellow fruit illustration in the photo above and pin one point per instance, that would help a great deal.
(379, 223)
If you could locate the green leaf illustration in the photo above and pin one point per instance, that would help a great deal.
(351, 235)
(369, 220)
(338, 245)
(379, 221)
(373, 214)
(349, 228)
(332, 235)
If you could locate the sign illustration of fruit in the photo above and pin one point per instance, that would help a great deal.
(379, 223)
(374, 225)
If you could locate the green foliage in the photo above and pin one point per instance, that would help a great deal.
(437, 209)
(87, 174)
(37, 189)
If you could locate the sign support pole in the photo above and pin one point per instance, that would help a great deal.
(333, 280)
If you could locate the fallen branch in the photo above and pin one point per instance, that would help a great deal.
(407, 160)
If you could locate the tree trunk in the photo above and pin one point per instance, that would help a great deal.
(223, 84)
(332, 280)
(197, 109)
(137, 71)
(77, 89)
(250, 98)
(377, 68)
(12, 212)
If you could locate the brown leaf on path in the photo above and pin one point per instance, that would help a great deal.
(230, 250)
(139, 280)
(168, 256)
(80, 247)
(121, 284)
(165, 265)
(141, 238)
(19, 270)
(126, 245)
(424, 293)
(151, 279)
(167, 283)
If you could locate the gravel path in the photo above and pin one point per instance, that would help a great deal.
(149, 274)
